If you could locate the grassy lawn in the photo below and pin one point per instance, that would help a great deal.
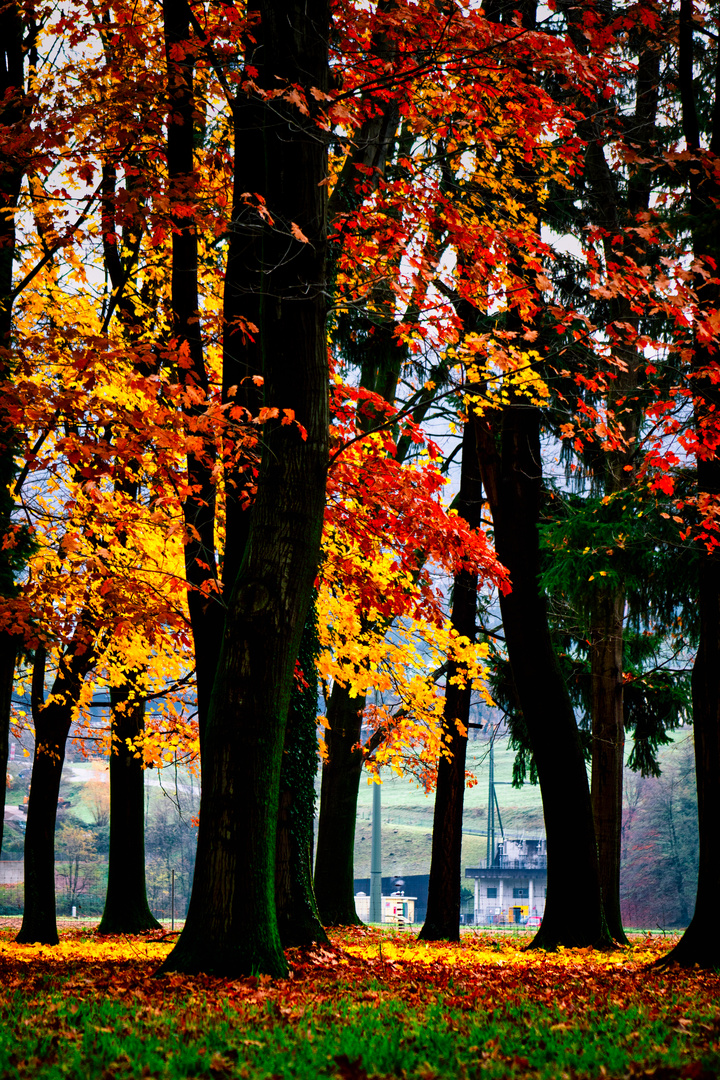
(374, 1005)
(407, 815)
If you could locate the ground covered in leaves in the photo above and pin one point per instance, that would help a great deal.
(374, 1005)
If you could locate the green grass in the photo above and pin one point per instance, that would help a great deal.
(346, 1037)
(407, 815)
(350, 1019)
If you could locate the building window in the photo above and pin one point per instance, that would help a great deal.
(492, 894)
(521, 894)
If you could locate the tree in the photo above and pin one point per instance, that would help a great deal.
(660, 841)
(14, 155)
(126, 906)
(231, 926)
(412, 166)
(699, 944)
(442, 921)
(384, 630)
(76, 851)
(297, 914)
(53, 717)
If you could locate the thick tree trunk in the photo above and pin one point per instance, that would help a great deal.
(52, 726)
(511, 469)
(12, 79)
(231, 928)
(241, 307)
(608, 745)
(442, 922)
(206, 610)
(297, 913)
(700, 943)
(334, 859)
(126, 906)
(615, 202)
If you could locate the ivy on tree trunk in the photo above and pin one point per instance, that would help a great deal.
(231, 927)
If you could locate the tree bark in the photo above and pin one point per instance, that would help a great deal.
(12, 114)
(334, 860)
(204, 601)
(52, 726)
(608, 745)
(511, 469)
(297, 913)
(8, 656)
(126, 906)
(700, 943)
(231, 928)
(442, 922)
(241, 304)
(615, 204)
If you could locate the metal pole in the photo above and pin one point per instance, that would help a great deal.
(490, 858)
(172, 899)
(376, 861)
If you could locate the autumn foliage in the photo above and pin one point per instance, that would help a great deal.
(370, 1004)
(506, 225)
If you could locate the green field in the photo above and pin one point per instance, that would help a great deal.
(407, 815)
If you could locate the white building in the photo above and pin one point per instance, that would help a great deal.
(514, 886)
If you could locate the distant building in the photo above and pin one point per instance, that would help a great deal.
(514, 885)
(395, 908)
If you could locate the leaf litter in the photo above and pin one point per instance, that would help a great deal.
(370, 1005)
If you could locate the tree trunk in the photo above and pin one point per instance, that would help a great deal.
(12, 81)
(241, 306)
(334, 860)
(52, 726)
(126, 906)
(8, 656)
(206, 611)
(700, 943)
(297, 914)
(511, 470)
(608, 745)
(231, 928)
(442, 922)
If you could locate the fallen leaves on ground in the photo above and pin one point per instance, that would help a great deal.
(371, 1004)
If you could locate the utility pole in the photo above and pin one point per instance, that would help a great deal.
(490, 854)
(376, 860)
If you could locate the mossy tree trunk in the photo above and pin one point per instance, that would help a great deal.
(231, 927)
(297, 913)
